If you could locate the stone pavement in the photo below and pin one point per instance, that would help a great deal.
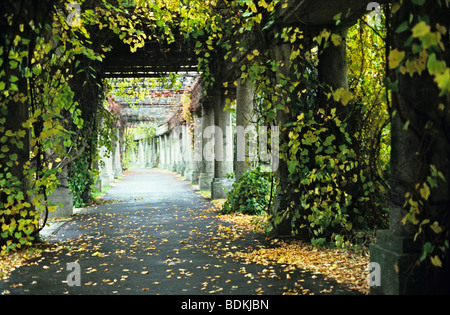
(154, 235)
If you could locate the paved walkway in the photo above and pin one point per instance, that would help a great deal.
(154, 235)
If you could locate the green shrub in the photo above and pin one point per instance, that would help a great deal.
(250, 194)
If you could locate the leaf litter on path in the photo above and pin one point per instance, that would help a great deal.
(345, 266)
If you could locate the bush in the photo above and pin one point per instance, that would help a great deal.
(250, 194)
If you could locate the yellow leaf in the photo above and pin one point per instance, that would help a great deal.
(421, 29)
(436, 261)
(346, 97)
(336, 39)
(395, 57)
(443, 80)
(343, 96)
(436, 228)
(425, 191)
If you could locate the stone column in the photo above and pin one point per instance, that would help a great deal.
(332, 70)
(154, 152)
(245, 128)
(106, 171)
(223, 148)
(148, 153)
(281, 52)
(168, 149)
(187, 153)
(117, 163)
(174, 150)
(419, 143)
(196, 150)
(207, 140)
(141, 153)
(162, 152)
(63, 195)
(177, 133)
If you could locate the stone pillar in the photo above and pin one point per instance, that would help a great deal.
(186, 155)
(162, 152)
(332, 70)
(168, 149)
(245, 129)
(177, 139)
(207, 140)
(155, 152)
(106, 171)
(223, 148)
(141, 153)
(117, 163)
(419, 143)
(148, 153)
(63, 195)
(173, 138)
(196, 151)
(281, 53)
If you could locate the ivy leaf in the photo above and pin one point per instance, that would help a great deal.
(421, 29)
(443, 81)
(436, 261)
(395, 58)
(435, 66)
(403, 27)
(436, 228)
(425, 191)
(418, 2)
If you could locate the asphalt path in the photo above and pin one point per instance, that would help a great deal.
(153, 234)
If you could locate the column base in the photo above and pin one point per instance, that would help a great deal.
(194, 177)
(280, 227)
(205, 180)
(182, 169)
(61, 195)
(220, 188)
(400, 273)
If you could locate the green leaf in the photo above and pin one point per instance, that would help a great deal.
(435, 66)
(403, 27)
